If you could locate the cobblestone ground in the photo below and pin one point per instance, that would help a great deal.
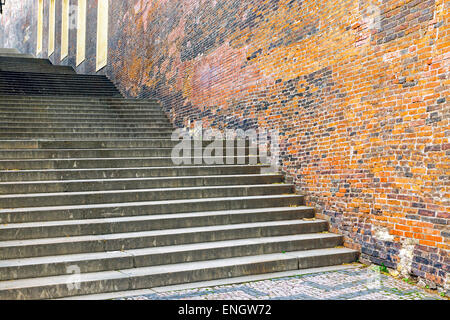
(350, 284)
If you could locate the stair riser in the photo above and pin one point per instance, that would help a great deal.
(12, 176)
(104, 163)
(179, 182)
(126, 261)
(148, 225)
(202, 205)
(144, 282)
(136, 196)
(38, 250)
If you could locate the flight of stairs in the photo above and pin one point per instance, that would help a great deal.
(91, 202)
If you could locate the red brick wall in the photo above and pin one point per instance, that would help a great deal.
(358, 89)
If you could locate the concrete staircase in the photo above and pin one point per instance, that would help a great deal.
(91, 202)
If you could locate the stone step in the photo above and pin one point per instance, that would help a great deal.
(139, 195)
(68, 90)
(47, 76)
(107, 110)
(77, 136)
(61, 92)
(148, 128)
(16, 249)
(135, 183)
(148, 277)
(124, 173)
(73, 102)
(202, 285)
(138, 258)
(48, 83)
(70, 100)
(98, 144)
(99, 153)
(35, 61)
(111, 210)
(67, 125)
(75, 88)
(17, 55)
(89, 118)
(73, 228)
(86, 163)
(81, 113)
(78, 107)
(29, 67)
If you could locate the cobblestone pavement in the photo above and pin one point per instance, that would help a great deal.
(350, 284)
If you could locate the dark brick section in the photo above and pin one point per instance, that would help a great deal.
(430, 263)
(398, 22)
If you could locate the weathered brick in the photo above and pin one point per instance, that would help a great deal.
(358, 97)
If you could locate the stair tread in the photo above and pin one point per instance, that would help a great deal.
(51, 194)
(137, 179)
(143, 203)
(155, 250)
(135, 168)
(148, 217)
(81, 149)
(164, 269)
(77, 159)
(128, 235)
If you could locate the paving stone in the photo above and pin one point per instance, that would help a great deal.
(357, 283)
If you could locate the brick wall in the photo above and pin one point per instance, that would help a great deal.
(358, 90)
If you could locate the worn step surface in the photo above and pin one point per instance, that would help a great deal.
(149, 277)
(138, 195)
(156, 238)
(32, 83)
(90, 182)
(14, 175)
(141, 183)
(125, 259)
(56, 213)
(49, 229)
(96, 144)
